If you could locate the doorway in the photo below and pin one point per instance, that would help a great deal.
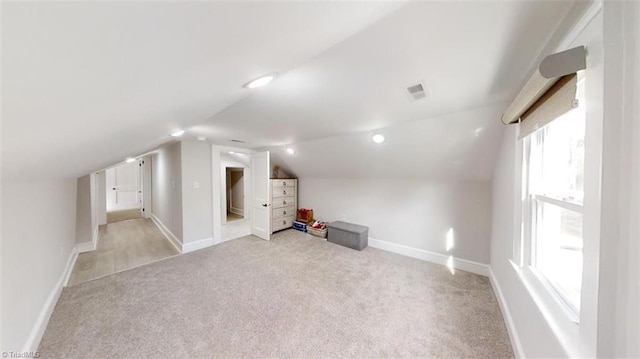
(126, 237)
(232, 210)
(123, 192)
(235, 193)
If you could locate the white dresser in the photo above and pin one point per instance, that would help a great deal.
(284, 203)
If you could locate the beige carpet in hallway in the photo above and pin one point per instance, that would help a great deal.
(117, 216)
(295, 297)
(233, 217)
(122, 245)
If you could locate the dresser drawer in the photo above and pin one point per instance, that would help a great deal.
(283, 183)
(283, 192)
(283, 212)
(283, 202)
(281, 223)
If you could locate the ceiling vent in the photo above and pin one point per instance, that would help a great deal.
(416, 92)
(238, 141)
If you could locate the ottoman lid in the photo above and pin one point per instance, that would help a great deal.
(348, 227)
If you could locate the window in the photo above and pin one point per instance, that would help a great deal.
(553, 183)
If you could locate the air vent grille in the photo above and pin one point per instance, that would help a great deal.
(415, 89)
(238, 141)
(416, 92)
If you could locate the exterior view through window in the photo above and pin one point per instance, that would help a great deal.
(555, 199)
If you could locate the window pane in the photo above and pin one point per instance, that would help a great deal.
(562, 156)
(558, 250)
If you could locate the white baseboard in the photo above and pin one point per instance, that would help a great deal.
(506, 314)
(195, 245)
(181, 247)
(458, 263)
(167, 233)
(96, 236)
(47, 309)
(85, 247)
(89, 246)
(237, 211)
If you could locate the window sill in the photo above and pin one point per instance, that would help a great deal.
(559, 319)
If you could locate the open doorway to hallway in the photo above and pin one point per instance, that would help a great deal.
(235, 184)
(124, 191)
(126, 236)
(235, 193)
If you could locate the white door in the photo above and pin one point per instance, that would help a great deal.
(123, 187)
(261, 192)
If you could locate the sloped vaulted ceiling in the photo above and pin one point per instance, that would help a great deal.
(86, 84)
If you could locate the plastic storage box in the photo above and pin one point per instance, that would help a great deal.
(301, 226)
(348, 234)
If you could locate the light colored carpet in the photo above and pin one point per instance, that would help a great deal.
(122, 245)
(117, 216)
(295, 296)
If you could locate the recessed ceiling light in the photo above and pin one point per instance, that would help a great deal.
(202, 138)
(377, 138)
(129, 160)
(231, 152)
(290, 150)
(178, 133)
(260, 81)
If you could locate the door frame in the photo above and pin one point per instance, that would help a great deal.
(219, 218)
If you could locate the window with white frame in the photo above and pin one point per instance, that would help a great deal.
(553, 181)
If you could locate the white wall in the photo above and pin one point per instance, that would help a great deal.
(619, 296)
(93, 187)
(38, 237)
(166, 177)
(101, 197)
(414, 213)
(197, 187)
(529, 323)
(84, 221)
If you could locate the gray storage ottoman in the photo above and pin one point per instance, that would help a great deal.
(348, 235)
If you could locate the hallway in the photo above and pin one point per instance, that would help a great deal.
(122, 245)
(123, 215)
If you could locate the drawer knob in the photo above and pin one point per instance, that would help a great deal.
(284, 212)
(284, 183)
(284, 222)
(284, 192)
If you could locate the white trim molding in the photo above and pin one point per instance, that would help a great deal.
(96, 236)
(167, 233)
(195, 245)
(37, 331)
(433, 257)
(89, 246)
(516, 344)
(86, 247)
